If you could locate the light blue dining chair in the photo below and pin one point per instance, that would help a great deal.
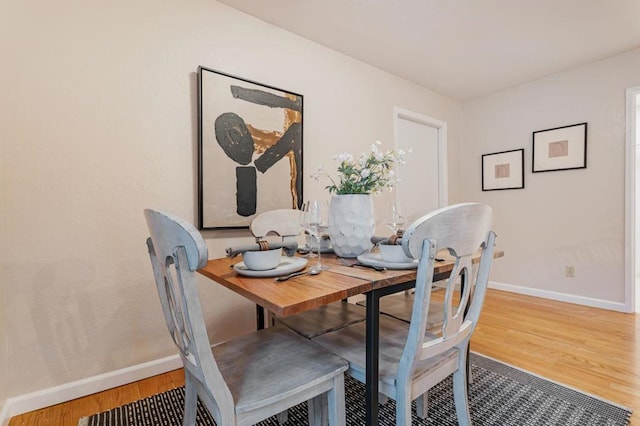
(250, 378)
(412, 360)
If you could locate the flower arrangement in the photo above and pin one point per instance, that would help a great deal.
(368, 174)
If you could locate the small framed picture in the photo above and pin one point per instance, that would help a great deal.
(503, 170)
(561, 148)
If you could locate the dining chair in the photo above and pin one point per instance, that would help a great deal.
(400, 306)
(412, 360)
(247, 379)
(285, 223)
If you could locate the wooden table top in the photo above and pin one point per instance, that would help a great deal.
(311, 291)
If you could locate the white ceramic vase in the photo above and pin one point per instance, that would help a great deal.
(351, 224)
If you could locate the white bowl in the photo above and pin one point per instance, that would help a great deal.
(262, 260)
(393, 254)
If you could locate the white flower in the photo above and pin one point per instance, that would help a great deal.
(370, 174)
(345, 156)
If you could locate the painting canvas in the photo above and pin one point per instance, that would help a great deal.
(250, 149)
(561, 148)
(503, 170)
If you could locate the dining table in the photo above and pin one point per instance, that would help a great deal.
(339, 282)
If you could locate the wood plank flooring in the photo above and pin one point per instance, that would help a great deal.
(590, 349)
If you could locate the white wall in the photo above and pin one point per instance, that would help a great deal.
(98, 119)
(637, 218)
(561, 218)
(4, 360)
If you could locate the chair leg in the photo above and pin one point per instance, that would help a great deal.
(317, 408)
(422, 403)
(190, 400)
(270, 320)
(403, 408)
(337, 411)
(283, 417)
(460, 396)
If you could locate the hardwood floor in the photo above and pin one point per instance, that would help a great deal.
(590, 349)
(594, 350)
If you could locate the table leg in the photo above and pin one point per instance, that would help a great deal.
(474, 273)
(372, 345)
(259, 317)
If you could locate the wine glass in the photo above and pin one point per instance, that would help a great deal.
(394, 216)
(309, 252)
(314, 218)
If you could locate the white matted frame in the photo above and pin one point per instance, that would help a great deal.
(503, 170)
(560, 148)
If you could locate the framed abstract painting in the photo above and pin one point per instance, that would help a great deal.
(560, 148)
(503, 170)
(250, 150)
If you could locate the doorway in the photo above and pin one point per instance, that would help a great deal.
(632, 212)
(426, 165)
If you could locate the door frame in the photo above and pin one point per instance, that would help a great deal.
(441, 126)
(630, 210)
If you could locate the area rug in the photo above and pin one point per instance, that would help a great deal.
(500, 395)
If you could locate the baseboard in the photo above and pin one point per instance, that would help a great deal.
(560, 297)
(68, 391)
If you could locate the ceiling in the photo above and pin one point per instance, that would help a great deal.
(461, 48)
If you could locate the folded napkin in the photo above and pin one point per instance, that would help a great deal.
(395, 239)
(288, 247)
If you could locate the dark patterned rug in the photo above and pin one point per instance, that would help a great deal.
(500, 395)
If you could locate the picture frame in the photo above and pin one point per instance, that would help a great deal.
(560, 148)
(503, 170)
(250, 150)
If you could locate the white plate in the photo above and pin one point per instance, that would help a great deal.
(307, 249)
(374, 259)
(286, 266)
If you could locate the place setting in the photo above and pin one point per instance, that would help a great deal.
(267, 259)
(387, 252)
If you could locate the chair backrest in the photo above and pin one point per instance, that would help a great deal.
(284, 222)
(462, 229)
(177, 250)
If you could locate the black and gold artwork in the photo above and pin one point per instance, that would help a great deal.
(250, 146)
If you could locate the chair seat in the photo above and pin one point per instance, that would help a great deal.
(255, 380)
(322, 320)
(349, 343)
(400, 306)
